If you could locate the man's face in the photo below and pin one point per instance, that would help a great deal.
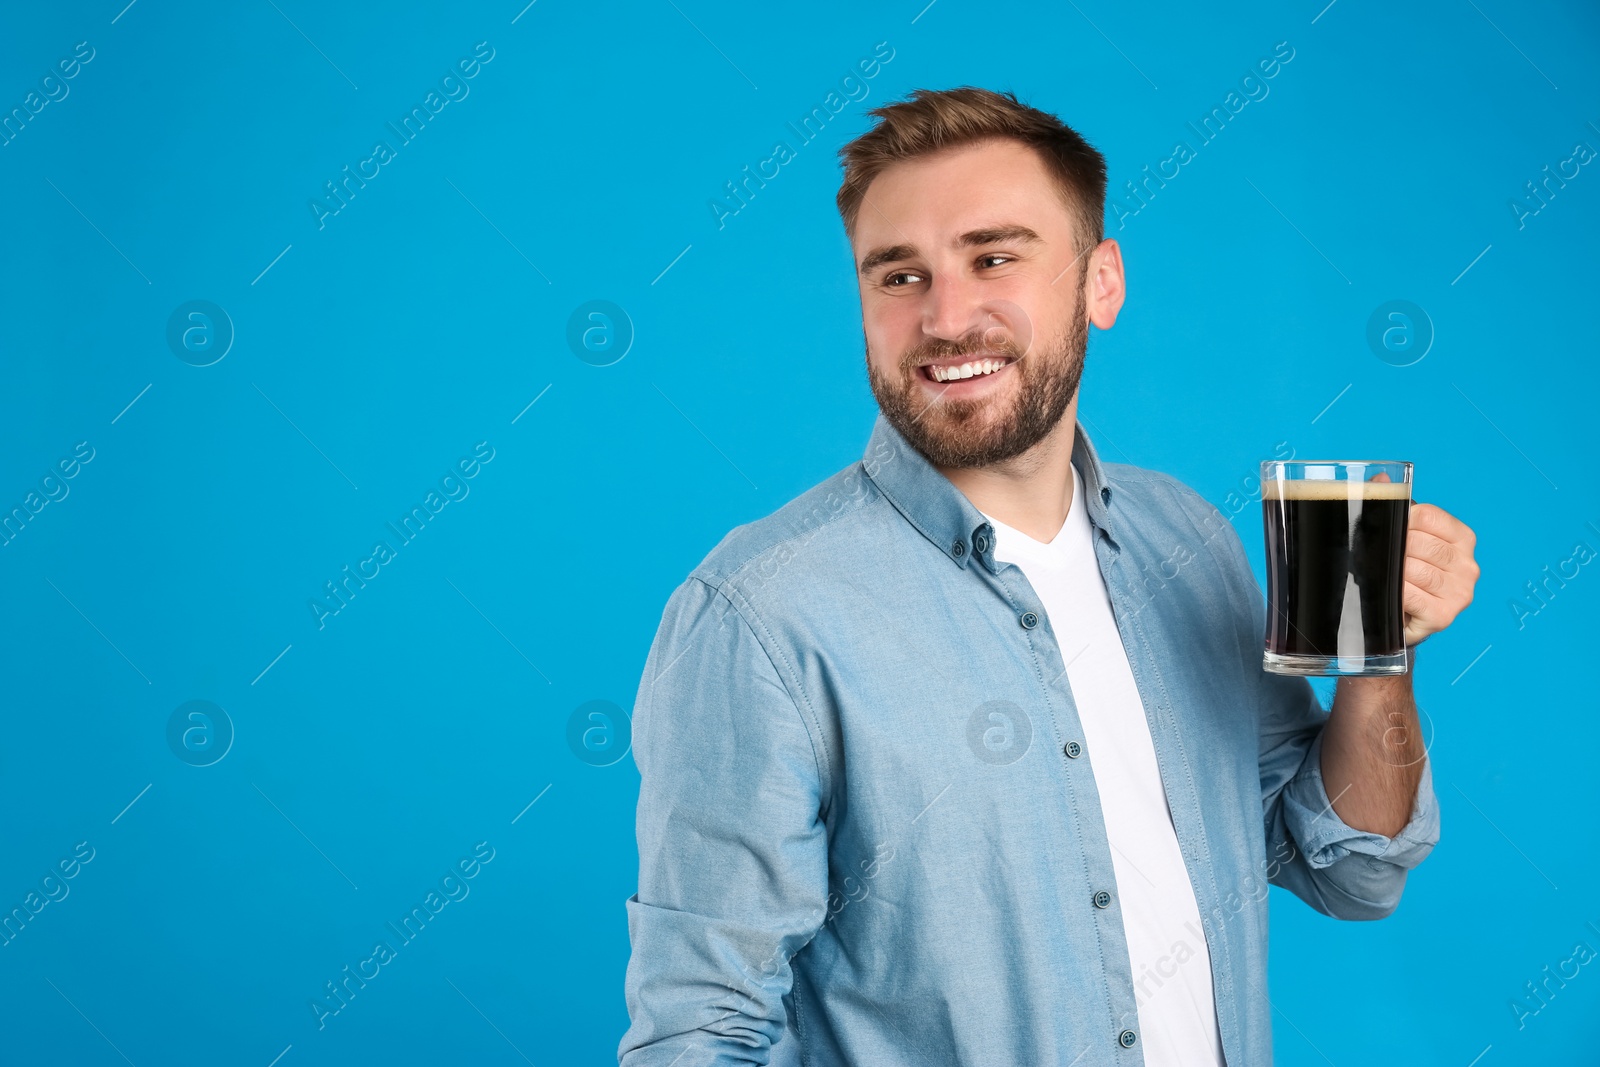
(962, 256)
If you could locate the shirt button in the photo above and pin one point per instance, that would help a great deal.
(981, 543)
(1073, 750)
(958, 549)
(1102, 899)
(1127, 1038)
(1029, 620)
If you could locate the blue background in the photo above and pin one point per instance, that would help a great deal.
(371, 353)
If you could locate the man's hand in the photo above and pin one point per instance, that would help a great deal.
(1439, 571)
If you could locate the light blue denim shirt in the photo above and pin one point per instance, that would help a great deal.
(869, 830)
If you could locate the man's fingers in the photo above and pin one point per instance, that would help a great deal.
(1433, 519)
(1426, 577)
(1440, 572)
(1431, 548)
(1421, 606)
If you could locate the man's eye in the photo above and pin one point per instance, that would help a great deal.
(911, 275)
(1002, 258)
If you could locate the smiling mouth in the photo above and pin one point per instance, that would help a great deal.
(952, 372)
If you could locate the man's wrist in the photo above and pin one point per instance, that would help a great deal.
(1378, 685)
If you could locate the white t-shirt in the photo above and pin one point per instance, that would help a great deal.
(1166, 941)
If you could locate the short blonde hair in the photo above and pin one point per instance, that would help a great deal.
(931, 120)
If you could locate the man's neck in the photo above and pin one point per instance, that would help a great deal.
(1032, 492)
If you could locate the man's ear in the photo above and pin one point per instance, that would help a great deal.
(1107, 284)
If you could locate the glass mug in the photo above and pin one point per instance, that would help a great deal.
(1336, 550)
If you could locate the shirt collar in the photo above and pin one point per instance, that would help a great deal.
(942, 513)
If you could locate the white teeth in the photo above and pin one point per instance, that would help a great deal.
(966, 370)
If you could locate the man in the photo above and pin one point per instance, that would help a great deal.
(966, 755)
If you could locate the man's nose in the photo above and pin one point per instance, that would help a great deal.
(952, 308)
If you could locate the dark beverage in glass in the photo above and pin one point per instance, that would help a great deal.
(1336, 549)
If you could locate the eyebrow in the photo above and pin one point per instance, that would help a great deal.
(971, 239)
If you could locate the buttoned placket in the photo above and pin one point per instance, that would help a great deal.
(1073, 766)
(1176, 779)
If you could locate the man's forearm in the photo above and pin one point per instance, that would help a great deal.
(1372, 752)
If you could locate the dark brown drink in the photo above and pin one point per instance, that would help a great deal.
(1335, 568)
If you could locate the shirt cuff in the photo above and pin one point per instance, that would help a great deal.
(1325, 839)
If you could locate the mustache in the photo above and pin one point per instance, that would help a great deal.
(977, 342)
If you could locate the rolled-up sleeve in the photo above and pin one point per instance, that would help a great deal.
(1326, 839)
(733, 852)
(1339, 870)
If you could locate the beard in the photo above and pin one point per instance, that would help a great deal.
(961, 434)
